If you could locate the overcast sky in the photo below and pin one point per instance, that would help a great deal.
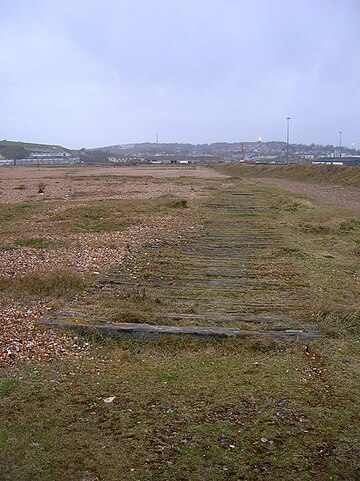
(85, 73)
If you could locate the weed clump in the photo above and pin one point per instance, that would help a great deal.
(180, 204)
(41, 187)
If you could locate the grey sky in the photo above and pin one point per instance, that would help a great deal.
(99, 72)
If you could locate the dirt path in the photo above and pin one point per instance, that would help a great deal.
(334, 194)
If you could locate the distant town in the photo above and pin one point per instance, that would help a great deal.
(21, 153)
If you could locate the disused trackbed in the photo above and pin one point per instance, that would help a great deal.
(228, 276)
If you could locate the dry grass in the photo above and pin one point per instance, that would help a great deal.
(339, 322)
(51, 284)
(136, 304)
(322, 174)
(332, 226)
(288, 203)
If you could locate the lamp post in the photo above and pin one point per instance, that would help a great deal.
(340, 134)
(287, 138)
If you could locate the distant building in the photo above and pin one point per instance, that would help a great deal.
(49, 160)
(118, 160)
(49, 155)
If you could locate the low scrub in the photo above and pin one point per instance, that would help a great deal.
(333, 226)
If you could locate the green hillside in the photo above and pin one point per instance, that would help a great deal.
(20, 150)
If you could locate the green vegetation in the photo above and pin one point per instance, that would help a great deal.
(10, 213)
(34, 242)
(189, 411)
(22, 150)
(13, 151)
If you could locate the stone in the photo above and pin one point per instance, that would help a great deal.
(283, 412)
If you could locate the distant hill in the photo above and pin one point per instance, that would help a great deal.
(22, 150)
(148, 151)
(226, 151)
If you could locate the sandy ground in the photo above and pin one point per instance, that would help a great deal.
(343, 196)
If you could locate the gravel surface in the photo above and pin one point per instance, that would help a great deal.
(23, 341)
(25, 189)
(87, 252)
(21, 338)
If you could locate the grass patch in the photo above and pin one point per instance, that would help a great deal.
(62, 283)
(339, 323)
(331, 226)
(292, 251)
(111, 215)
(11, 212)
(103, 218)
(246, 214)
(128, 305)
(8, 387)
(183, 411)
(34, 242)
